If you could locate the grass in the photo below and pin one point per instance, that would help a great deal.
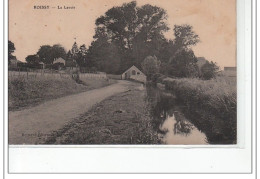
(120, 119)
(23, 92)
(211, 105)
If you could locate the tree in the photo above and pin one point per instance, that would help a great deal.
(45, 54)
(185, 37)
(184, 64)
(151, 66)
(58, 52)
(33, 59)
(11, 49)
(182, 61)
(81, 56)
(135, 31)
(48, 54)
(209, 70)
(104, 56)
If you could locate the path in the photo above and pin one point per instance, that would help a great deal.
(33, 125)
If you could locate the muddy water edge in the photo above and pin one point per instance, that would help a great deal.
(169, 121)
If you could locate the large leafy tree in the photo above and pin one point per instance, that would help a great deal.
(136, 32)
(11, 49)
(48, 54)
(209, 70)
(45, 54)
(104, 55)
(150, 66)
(184, 64)
(185, 37)
(182, 61)
(32, 59)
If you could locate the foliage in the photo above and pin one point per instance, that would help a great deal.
(32, 59)
(211, 105)
(104, 56)
(48, 54)
(134, 33)
(209, 70)
(58, 51)
(11, 49)
(150, 66)
(184, 64)
(185, 37)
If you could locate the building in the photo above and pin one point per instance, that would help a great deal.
(135, 74)
(230, 71)
(59, 63)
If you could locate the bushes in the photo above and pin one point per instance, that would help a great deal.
(208, 70)
(211, 105)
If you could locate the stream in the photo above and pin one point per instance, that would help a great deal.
(170, 123)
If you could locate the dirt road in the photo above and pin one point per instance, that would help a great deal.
(34, 125)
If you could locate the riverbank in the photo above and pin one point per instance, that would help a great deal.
(120, 119)
(210, 105)
(23, 92)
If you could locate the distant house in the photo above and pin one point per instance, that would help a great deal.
(59, 63)
(230, 71)
(59, 60)
(230, 68)
(135, 74)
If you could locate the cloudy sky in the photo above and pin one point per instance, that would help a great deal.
(213, 20)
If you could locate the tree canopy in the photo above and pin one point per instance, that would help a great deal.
(209, 70)
(134, 32)
(48, 54)
(11, 49)
(32, 59)
(150, 66)
(184, 64)
(185, 37)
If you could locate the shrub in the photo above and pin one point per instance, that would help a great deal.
(209, 70)
(211, 105)
(151, 66)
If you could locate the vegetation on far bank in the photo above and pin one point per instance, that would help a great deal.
(23, 92)
(211, 106)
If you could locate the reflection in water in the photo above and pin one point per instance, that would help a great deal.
(168, 120)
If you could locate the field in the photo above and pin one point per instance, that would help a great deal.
(211, 105)
(120, 119)
(26, 91)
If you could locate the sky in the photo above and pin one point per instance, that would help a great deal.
(213, 20)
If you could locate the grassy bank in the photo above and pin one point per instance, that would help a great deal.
(121, 119)
(211, 105)
(23, 92)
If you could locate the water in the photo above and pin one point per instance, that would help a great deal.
(170, 122)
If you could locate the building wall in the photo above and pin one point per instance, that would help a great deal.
(138, 76)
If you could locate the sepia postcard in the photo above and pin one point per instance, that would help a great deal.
(122, 72)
